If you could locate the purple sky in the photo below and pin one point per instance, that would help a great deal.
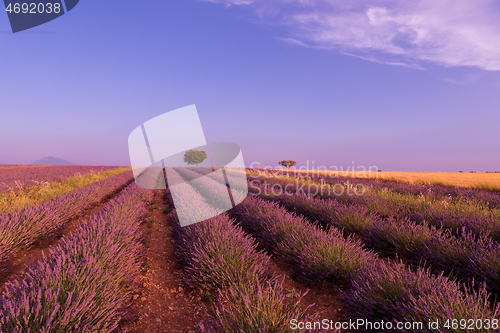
(410, 86)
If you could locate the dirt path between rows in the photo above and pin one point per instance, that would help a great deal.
(162, 304)
(15, 266)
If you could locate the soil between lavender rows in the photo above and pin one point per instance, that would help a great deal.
(162, 304)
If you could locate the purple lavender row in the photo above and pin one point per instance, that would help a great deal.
(393, 295)
(462, 254)
(379, 290)
(21, 178)
(190, 206)
(466, 256)
(20, 229)
(438, 215)
(315, 254)
(81, 285)
(205, 272)
(216, 254)
(235, 178)
(214, 192)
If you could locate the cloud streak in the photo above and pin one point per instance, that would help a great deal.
(445, 32)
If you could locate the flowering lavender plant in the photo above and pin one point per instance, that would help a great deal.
(81, 285)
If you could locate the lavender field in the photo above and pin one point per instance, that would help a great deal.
(14, 178)
(298, 254)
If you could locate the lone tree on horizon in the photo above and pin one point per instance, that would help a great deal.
(195, 157)
(287, 163)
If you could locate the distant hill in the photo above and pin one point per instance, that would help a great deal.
(51, 160)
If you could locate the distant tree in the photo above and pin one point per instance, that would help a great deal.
(287, 163)
(195, 157)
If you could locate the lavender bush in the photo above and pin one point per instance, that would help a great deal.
(453, 213)
(260, 307)
(20, 229)
(394, 293)
(217, 254)
(81, 285)
(351, 219)
(316, 254)
(400, 237)
(465, 256)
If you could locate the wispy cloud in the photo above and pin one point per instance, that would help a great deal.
(232, 2)
(386, 61)
(444, 32)
(468, 79)
(293, 41)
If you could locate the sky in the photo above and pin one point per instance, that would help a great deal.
(396, 85)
